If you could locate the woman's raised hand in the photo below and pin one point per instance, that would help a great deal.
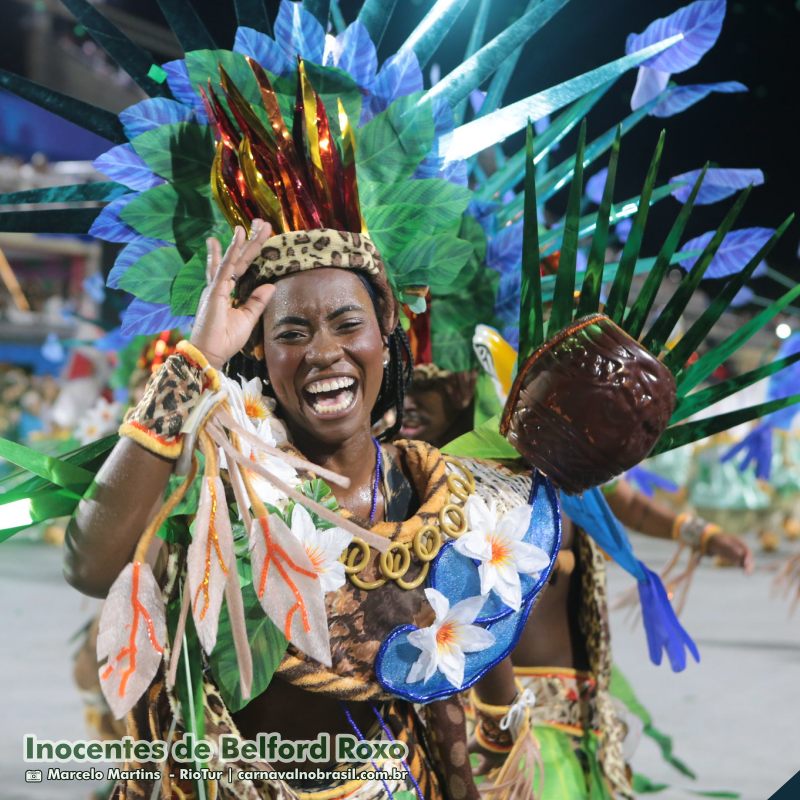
(220, 330)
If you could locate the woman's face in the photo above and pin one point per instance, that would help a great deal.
(324, 353)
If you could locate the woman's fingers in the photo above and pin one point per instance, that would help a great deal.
(226, 265)
(254, 245)
(214, 254)
(257, 302)
(241, 252)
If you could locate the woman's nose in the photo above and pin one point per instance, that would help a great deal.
(324, 350)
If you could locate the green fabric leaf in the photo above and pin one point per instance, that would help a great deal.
(56, 471)
(459, 305)
(622, 690)
(186, 25)
(189, 679)
(181, 153)
(514, 168)
(593, 278)
(375, 16)
(691, 404)
(564, 293)
(266, 642)
(689, 432)
(618, 294)
(398, 216)
(188, 285)
(644, 785)
(151, 277)
(487, 403)
(128, 55)
(203, 66)
(484, 442)
(676, 358)
(91, 457)
(641, 307)
(564, 774)
(393, 143)
(44, 505)
(252, 14)
(172, 214)
(656, 338)
(531, 310)
(435, 261)
(89, 117)
(104, 191)
(62, 220)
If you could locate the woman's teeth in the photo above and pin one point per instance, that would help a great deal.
(333, 405)
(331, 396)
(330, 385)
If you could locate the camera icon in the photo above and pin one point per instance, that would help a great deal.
(33, 776)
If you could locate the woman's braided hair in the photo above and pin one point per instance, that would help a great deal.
(396, 375)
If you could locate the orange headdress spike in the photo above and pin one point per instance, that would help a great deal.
(349, 180)
(247, 121)
(282, 137)
(297, 181)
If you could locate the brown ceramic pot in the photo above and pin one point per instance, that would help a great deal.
(589, 404)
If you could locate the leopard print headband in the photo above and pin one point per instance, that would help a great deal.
(296, 251)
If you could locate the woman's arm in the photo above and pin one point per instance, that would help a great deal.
(106, 526)
(105, 529)
(640, 513)
(644, 515)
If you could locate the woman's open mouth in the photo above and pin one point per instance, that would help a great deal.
(331, 397)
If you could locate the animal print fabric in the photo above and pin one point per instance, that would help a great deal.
(169, 397)
(295, 251)
(595, 628)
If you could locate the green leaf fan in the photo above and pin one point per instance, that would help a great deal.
(596, 363)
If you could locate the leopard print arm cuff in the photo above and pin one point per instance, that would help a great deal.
(169, 398)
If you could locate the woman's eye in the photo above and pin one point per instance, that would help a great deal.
(289, 336)
(349, 324)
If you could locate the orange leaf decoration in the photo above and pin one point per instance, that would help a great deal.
(131, 637)
(209, 560)
(288, 587)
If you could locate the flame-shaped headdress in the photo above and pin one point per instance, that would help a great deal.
(302, 182)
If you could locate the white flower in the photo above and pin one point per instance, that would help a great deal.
(323, 548)
(103, 418)
(253, 412)
(497, 543)
(444, 643)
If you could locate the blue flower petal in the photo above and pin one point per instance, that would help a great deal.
(357, 54)
(140, 317)
(699, 22)
(717, 184)
(737, 248)
(680, 98)
(299, 33)
(155, 112)
(261, 48)
(123, 164)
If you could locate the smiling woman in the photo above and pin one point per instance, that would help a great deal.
(341, 542)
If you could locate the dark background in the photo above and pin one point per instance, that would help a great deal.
(758, 46)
